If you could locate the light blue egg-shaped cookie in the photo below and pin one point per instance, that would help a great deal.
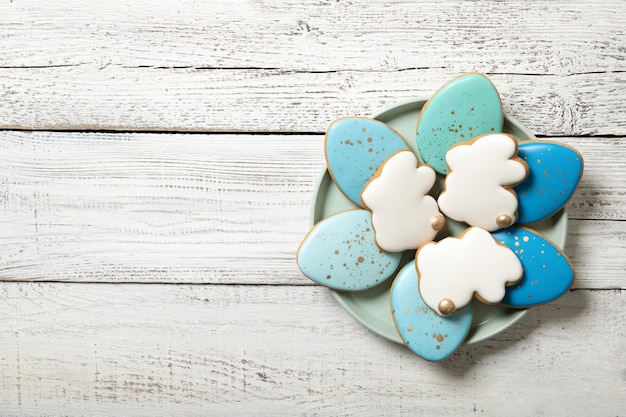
(355, 147)
(340, 253)
(548, 273)
(431, 336)
(554, 172)
(466, 107)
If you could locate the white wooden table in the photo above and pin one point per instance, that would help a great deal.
(157, 160)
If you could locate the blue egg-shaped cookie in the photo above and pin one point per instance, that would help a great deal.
(431, 336)
(466, 107)
(554, 172)
(355, 147)
(340, 253)
(548, 273)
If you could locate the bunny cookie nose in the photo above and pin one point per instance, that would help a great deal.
(437, 222)
(504, 220)
(446, 307)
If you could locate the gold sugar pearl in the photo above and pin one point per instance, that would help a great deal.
(438, 222)
(504, 220)
(446, 307)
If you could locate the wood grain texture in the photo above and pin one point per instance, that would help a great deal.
(217, 208)
(265, 350)
(277, 100)
(288, 66)
(178, 291)
(515, 37)
(212, 208)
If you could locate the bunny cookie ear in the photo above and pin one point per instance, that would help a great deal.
(464, 108)
(555, 170)
(431, 336)
(355, 147)
(548, 273)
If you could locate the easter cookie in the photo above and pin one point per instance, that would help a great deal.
(355, 147)
(478, 189)
(453, 270)
(465, 170)
(431, 336)
(554, 173)
(464, 108)
(548, 273)
(340, 253)
(403, 214)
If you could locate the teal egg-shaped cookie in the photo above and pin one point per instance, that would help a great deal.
(548, 273)
(466, 107)
(431, 336)
(554, 172)
(340, 253)
(355, 147)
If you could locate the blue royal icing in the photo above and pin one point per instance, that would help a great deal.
(464, 108)
(355, 148)
(431, 336)
(340, 253)
(548, 273)
(554, 171)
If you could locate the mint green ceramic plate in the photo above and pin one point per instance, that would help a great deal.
(371, 307)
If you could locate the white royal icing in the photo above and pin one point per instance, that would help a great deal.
(456, 268)
(402, 212)
(474, 189)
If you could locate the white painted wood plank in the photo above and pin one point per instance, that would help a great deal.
(597, 250)
(557, 37)
(212, 208)
(265, 350)
(217, 208)
(601, 193)
(120, 98)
